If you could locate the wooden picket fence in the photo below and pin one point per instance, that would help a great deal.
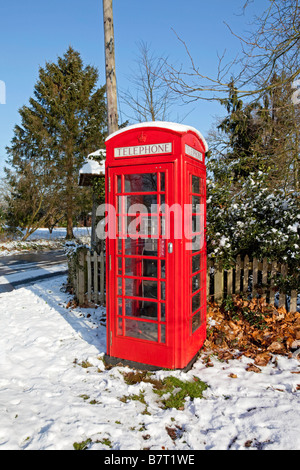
(252, 278)
(87, 277)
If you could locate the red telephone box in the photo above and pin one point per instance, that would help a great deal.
(156, 249)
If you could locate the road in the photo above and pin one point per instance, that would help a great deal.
(23, 269)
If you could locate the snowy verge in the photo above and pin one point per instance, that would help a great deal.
(55, 392)
(43, 240)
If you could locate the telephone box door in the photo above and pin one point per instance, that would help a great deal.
(141, 272)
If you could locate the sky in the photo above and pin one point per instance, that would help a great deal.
(36, 31)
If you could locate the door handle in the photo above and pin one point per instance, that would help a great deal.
(170, 247)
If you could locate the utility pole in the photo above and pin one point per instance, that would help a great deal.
(111, 84)
(111, 97)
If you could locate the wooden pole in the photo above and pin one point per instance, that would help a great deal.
(111, 83)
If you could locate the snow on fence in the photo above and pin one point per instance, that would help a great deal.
(249, 277)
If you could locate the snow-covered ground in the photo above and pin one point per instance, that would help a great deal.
(55, 390)
(43, 240)
(60, 232)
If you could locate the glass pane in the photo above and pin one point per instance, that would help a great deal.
(133, 267)
(141, 330)
(162, 181)
(162, 204)
(196, 200)
(146, 182)
(149, 268)
(120, 266)
(196, 322)
(163, 269)
(162, 312)
(119, 247)
(196, 302)
(141, 225)
(141, 308)
(196, 223)
(119, 286)
(163, 226)
(162, 333)
(141, 246)
(196, 283)
(119, 204)
(141, 288)
(196, 263)
(140, 203)
(120, 307)
(140, 267)
(163, 291)
(119, 183)
(197, 243)
(150, 289)
(196, 184)
(120, 326)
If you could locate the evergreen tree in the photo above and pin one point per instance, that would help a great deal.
(64, 122)
(243, 131)
(253, 191)
(262, 136)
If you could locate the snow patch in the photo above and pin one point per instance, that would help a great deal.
(172, 126)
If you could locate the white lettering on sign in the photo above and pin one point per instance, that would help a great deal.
(193, 152)
(139, 150)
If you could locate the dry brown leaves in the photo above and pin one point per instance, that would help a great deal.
(251, 328)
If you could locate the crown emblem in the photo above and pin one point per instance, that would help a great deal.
(142, 138)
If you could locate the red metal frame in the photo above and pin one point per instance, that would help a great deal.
(162, 331)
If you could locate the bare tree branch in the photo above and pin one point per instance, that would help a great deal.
(273, 45)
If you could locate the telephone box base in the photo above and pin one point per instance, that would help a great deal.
(116, 361)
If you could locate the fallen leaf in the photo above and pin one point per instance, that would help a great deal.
(276, 347)
(262, 359)
(172, 433)
(253, 368)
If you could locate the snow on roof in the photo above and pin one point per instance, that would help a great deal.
(173, 126)
(91, 166)
(98, 153)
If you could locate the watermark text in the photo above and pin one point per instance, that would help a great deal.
(185, 222)
(2, 92)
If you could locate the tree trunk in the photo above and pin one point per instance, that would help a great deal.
(70, 234)
(69, 191)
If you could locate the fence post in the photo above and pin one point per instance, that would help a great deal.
(89, 276)
(95, 259)
(254, 277)
(246, 274)
(230, 282)
(265, 278)
(81, 278)
(293, 301)
(208, 281)
(218, 284)
(273, 274)
(282, 295)
(238, 270)
(102, 277)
